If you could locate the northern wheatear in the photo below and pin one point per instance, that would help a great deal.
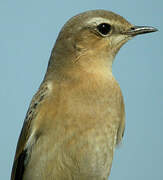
(77, 116)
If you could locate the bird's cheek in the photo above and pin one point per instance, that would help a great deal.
(117, 41)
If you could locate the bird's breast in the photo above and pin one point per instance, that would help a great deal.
(79, 127)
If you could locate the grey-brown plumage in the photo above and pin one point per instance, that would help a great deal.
(77, 116)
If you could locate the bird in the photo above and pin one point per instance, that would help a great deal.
(77, 117)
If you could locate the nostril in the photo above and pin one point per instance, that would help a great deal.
(132, 28)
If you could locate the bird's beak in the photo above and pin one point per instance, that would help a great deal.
(136, 30)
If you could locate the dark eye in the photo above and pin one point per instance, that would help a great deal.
(104, 28)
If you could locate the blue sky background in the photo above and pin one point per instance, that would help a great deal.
(28, 30)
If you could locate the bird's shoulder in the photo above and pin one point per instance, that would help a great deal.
(121, 110)
(27, 137)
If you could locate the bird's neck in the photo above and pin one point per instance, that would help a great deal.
(80, 68)
(75, 64)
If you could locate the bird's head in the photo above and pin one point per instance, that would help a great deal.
(95, 37)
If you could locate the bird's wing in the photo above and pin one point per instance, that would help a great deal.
(121, 128)
(27, 138)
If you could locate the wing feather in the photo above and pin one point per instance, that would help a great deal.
(24, 147)
(121, 128)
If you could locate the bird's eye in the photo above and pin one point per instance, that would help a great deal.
(104, 28)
